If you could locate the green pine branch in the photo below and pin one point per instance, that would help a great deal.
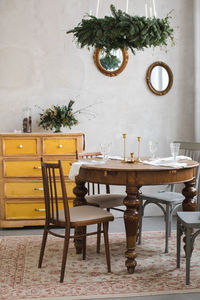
(122, 31)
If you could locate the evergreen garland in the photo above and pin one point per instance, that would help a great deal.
(122, 31)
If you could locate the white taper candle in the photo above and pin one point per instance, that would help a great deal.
(150, 12)
(97, 10)
(154, 8)
(146, 13)
(127, 6)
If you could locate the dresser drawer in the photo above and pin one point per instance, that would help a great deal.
(55, 146)
(20, 146)
(33, 189)
(30, 168)
(32, 210)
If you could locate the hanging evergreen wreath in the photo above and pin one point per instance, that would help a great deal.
(122, 31)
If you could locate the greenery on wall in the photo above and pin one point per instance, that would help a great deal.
(122, 31)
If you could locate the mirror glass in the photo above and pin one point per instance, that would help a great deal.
(110, 63)
(159, 78)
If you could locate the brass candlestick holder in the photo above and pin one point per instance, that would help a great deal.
(132, 157)
(139, 140)
(124, 137)
(131, 160)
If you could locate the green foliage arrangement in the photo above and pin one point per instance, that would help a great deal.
(122, 31)
(58, 116)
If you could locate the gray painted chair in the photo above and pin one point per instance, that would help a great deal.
(186, 222)
(168, 200)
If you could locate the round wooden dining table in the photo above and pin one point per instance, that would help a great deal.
(133, 176)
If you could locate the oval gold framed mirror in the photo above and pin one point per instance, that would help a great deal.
(159, 78)
(112, 63)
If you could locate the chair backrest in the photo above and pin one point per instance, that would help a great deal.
(54, 193)
(192, 150)
(93, 188)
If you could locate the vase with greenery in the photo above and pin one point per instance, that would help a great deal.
(122, 31)
(58, 116)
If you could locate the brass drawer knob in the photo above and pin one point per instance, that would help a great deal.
(39, 209)
(20, 146)
(60, 146)
(38, 189)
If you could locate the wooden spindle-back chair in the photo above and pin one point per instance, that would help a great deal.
(55, 194)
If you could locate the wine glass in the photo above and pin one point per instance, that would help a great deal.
(153, 148)
(105, 149)
(174, 148)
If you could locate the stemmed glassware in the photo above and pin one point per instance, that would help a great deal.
(174, 148)
(153, 148)
(105, 149)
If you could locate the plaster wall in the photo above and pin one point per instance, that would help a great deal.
(40, 65)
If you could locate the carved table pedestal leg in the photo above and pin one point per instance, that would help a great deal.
(131, 219)
(80, 191)
(189, 191)
(189, 204)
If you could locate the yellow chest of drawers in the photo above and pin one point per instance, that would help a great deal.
(21, 189)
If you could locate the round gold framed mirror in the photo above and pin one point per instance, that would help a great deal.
(159, 78)
(112, 63)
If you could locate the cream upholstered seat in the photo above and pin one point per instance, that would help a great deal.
(84, 213)
(168, 200)
(75, 217)
(106, 200)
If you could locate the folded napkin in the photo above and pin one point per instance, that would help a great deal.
(74, 170)
(168, 161)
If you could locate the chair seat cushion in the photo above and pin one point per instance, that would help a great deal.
(163, 197)
(189, 218)
(86, 215)
(105, 200)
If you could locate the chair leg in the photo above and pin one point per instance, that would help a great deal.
(106, 241)
(141, 211)
(98, 237)
(64, 258)
(170, 221)
(178, 244)
(84, 242)
(188, 255)
(44, 240)
(167, 224)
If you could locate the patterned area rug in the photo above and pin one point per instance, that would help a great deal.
(155, 274)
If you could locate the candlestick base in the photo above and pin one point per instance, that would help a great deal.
(130, 161)
(124, 160)
(138, 160)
